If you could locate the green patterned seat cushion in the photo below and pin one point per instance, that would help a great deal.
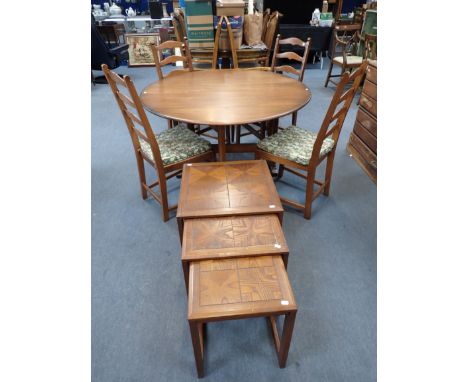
(294, 143)
(176, 144)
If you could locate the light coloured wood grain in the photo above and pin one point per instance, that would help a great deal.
(225, 97)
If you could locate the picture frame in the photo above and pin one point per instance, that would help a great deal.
(139, 50)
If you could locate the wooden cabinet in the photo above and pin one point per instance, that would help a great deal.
(362, 144)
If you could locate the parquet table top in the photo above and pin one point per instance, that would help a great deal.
(233, 236)
(239, 288)
(227, 188)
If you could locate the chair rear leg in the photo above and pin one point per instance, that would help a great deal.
(164, 202)
(142, 175)
(329, 72)
(328, 173)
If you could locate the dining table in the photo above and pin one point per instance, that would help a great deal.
(220, 98)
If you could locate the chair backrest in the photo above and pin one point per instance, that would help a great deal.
(179, 27)
(214, 61)
(338, 109)
(370, 46)
(346, 37)
(291, 56)
(266, 18)
(185, 57)
(138, 124)
(271, 29)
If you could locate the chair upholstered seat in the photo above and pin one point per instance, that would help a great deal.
(176, 144)
(295, 144)
(350, 60)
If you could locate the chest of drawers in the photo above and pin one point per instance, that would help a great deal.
(362, 144)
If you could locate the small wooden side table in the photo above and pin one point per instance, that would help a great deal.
(218, 189)
(232, 237)
(240, 288)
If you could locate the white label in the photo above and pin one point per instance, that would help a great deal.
(277, 246)
(272, 206)
(284, 302)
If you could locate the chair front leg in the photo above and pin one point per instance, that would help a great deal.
(163, 190)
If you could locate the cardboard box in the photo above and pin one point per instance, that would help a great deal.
(199, 20)
(230, 8)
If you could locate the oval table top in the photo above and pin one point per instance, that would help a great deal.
(225, 97)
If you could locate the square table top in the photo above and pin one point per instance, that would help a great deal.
(233, 236)
(239, 288)
(227, 188)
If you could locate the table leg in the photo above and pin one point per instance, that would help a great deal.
(221, 143)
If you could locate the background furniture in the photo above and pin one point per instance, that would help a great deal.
(104, 54)
(300, 149)
(225, 189)
(344, 50)
(166, 153)
(362, 144)
(240, 288)
(221, 98)
(320, 36)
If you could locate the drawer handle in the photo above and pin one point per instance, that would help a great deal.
(367, 124)
(368, 70)
(373, 163)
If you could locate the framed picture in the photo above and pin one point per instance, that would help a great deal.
(139, 50)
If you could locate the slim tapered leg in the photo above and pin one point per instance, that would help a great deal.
(288, 328)
(328, 173)
(329, 72)
(197, 346)
(141, 173)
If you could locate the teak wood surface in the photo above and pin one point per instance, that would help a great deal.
(232, 237)
(240, 288)
(227, 188)
(225, 97)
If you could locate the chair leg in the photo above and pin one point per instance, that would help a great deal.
(142, 175)
(328, 173)
(294, 118)
(238, 133)
(164, 202)
(329, 72)
(280, 171)
(309, 195)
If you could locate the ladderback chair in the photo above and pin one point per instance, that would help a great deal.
(172, 59)
(295, 148)
(184, 57)
(258, 129)
(166, 152)
(294, 41)
(344, 52)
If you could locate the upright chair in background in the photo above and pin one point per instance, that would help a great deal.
(291, 41)
(160, 62)
(298, 148)
(166, 152)
(344, 52)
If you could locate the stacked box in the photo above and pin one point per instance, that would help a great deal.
(199, 19)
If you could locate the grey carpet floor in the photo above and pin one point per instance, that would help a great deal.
(139, 305)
